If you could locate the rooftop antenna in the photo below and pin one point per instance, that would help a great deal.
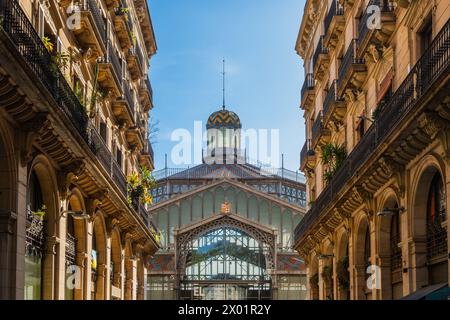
(223, 84)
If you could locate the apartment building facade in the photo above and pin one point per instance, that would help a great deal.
(74, 113)
(376, 106)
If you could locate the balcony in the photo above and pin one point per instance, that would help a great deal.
(352, 71)
(119, 178)
(334, 24)
(321, 60)
(100, 149)
(146, 94)
(308, 92)
(307, 157)
(320, 133)
(372, 35)
(135, 134)
(147, 155)
(135, 61)
(123, 25)
(110, 71)
(112, 4)
(92, 31)
(123, 107)
(333, 107)
(15, 27)
(431, 70)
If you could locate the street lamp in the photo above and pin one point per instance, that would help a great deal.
(390, 211)
(78, 215)
(325, 256)
(365, 118)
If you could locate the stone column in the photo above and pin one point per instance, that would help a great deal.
(8, 256)
(48, 265)
(360, 282)
(322, 291)
(385, 293)
(102, 274)
(418, 260)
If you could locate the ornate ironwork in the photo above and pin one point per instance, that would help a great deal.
(320, 49)
(336, 9)
(31, 48)
(92, 7)
(349, 59)
(184, 240)
(430, 67)
(119, 177)
(35, 235)
(71, 249)
(308, 84)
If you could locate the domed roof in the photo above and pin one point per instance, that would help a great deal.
(223, 119)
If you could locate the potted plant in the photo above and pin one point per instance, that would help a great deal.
(333, 156)
(327, 274)
(343, 276)
(314, 280)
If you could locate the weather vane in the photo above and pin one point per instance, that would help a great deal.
(223, 84)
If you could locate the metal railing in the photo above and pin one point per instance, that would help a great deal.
(100, 149)
(308, 84)
(434, 63)
(114, 60)
(317, 128)
(127, 96)
(137, 52)
(363, 27)
(336, 9)
(119, 177)
(331, 98)
(19, 29)
(348, 60)
(92, 7)
(303, 154)
(320, 49)
(241, 171)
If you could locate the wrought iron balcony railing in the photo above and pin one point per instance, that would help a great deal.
(92, 7)
(148, 85)
(119, 177)
(363, 26)
(336, 9)
(349, 59)
(306, 153)
(320, 49)
(29, 45)
(434, 63)
(331, 98)
(99, 148)
(317, 129)
(308, 84)
(128, 97)
(115, 61)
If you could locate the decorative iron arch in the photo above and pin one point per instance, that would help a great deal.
(226, 221)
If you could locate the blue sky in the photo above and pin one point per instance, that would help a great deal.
(264, 73)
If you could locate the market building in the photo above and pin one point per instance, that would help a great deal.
(227, 225)
(376, 106)
(74, 110)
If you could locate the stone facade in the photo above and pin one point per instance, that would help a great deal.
(74, 111)
(377, 114)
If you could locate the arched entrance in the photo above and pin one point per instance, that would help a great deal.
(225, 258)
(41, 258)
(389, 249)
(429, 224)
(342, 267)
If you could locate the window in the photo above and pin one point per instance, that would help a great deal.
(78, 89)
(360, 128)
(119, 157)
(103, 131)
(395, 239)
(425, 36)
(41, 22)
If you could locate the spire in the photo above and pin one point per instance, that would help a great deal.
(223, 84)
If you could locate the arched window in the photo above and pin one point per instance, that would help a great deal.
(94, 266)
(436, 232)
(395, 239)
(70, 258)
(34, 250)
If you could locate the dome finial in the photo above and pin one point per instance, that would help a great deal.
(223, 84)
